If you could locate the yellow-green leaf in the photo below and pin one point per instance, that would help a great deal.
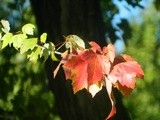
(53, 56)
(6, 26)
(17, 40)
(6, 39)
(73, 41)
(43, 38)
(28, 44)
(28, 29)
(33, 57)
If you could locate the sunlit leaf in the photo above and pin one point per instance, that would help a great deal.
(95, 46)
(6, 39)
(53, 56)
(33, 57)
(94, 89)
(28, 29)
(17, 40)
(124, 72)
(6, 26)
(109, 51)
(47, 50)
(28, 44)
(74, 42)
(43, 38)
(83, 69)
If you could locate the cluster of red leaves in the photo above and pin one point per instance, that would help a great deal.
(95, 67)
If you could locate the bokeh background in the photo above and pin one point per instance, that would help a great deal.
(134, 28)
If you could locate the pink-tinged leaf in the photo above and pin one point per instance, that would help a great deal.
(65, 54)
(64, 57)
(140, 73)
(124, 72)
(109, 51)
(111, 97)
(105, 63)
(56, 70)
(95, 46)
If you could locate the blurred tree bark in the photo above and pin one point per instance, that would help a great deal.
(83, 18)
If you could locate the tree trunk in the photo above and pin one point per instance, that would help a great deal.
(83, 18)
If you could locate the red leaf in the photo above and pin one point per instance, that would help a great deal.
(124, 72)
(64, 56)
(94, 67)
(124, 90)
(95, 46)
(106, 65)
(83, 69)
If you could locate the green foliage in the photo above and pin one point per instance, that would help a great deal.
(144, 103)
(23, 93)
(24, 43)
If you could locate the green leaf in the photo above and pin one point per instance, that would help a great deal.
(6, 26)
(6, 39)
(43, 38)
(48, 50)
(33, 57)
(45, 51)
(53, 56)
(28, 29)
(28, 44)
(17, 40)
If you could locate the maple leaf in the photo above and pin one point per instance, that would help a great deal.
(83, 69)
(124, 72)
(95, 47)
(105, 55)
(108, 50)
(92, 68)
